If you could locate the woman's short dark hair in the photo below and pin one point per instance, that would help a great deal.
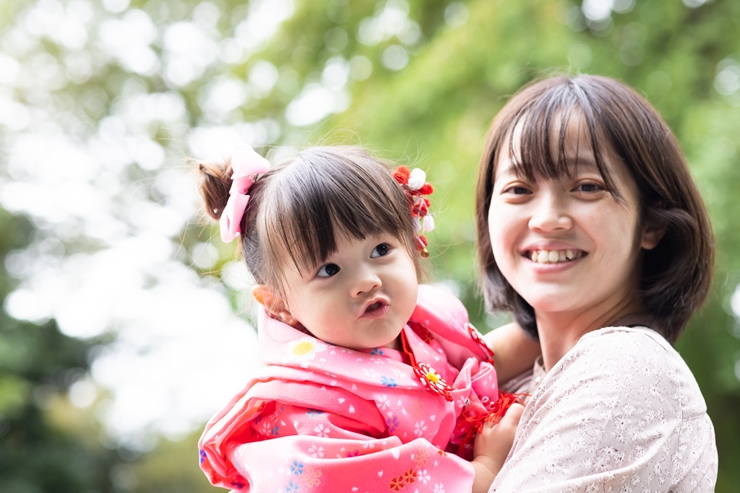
(676, 274)
(299, 209)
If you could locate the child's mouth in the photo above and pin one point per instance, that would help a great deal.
(374, 307)
(375, 310)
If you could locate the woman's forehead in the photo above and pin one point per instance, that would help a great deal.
(568, 146)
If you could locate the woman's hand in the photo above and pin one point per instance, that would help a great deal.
(492, 446)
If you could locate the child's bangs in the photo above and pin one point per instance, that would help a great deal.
(536, 136)
(313, 210)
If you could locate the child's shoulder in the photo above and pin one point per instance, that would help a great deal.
(440, 312)
(437, 306)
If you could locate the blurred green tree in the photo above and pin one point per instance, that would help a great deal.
(39, 452)
(432, 94)
(416, 81)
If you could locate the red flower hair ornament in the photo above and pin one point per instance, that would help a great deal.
(413, 182)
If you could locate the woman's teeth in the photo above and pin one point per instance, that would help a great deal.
(554, 256)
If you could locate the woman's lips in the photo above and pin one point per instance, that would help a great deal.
(554, 256)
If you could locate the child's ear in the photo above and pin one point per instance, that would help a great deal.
(274, 304)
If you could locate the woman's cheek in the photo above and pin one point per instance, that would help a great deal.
(500, 235)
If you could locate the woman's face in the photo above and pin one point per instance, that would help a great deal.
(567, 245)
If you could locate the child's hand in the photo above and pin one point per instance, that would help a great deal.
(492, 446)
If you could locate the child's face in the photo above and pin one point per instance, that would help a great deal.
(567, 245)
(360, 297)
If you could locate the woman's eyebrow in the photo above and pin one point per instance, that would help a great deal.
(503, 168)
(582, 161)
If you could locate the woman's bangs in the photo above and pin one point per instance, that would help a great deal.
(534, 153)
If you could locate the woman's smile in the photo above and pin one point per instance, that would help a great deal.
(552, 252)
(554, 256)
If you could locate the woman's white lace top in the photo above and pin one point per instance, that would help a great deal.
(620, 411)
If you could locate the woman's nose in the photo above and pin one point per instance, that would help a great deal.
(550, 212)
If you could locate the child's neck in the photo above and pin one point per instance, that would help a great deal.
(395, 344)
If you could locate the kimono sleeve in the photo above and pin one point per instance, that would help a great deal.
(293, 449)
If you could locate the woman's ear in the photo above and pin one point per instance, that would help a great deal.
(274, 304)
(653, 230)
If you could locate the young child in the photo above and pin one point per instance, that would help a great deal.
(371, 382)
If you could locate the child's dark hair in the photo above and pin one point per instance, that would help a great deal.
(300, 208)
(676, 275)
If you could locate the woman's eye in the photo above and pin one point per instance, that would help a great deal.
(589, 188)
(328, 270)
(517, 190)
(381, 250)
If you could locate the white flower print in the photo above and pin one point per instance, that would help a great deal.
(423, 476)
(316, 451)
(321, 430)
(601, 463)
(370, 372)
(383, 402)
(461, 401)
(439, 488)
(420, 428)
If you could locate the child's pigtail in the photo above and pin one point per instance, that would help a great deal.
(214, 185)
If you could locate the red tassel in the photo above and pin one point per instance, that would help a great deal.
(426, 189)
(499, 408)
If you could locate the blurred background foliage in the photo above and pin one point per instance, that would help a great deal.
(139, 85)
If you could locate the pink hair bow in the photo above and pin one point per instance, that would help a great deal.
(245, 163)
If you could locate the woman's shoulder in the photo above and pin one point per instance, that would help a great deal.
(635, 361)
(629, 341)
(620, 346)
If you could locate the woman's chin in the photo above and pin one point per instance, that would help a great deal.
(550, 302)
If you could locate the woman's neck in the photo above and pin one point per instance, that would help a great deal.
(559, 332)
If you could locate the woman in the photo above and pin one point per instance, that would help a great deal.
(592, 233)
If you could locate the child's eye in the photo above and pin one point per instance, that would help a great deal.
(381, 250)
(589, 188)
(328, 270)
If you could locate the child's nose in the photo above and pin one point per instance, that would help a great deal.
(367, 281)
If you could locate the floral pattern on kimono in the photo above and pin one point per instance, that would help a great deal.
(320, 417)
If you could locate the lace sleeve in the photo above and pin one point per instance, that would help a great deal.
(620, 412)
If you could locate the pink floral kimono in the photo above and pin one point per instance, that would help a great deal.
(323, 418)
